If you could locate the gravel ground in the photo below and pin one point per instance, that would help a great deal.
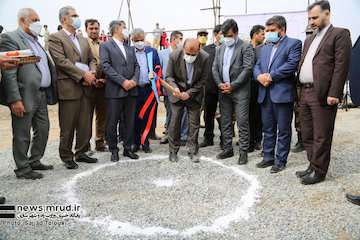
(154, 199)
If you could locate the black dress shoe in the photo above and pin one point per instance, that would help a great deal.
(277, 169)
(301, 174)
(41, 167)
(2, 200)
(355, 199)
(86, 159)
(298, 147)
(173, 157)
(114, 156)
(71, 165)
(31, 175)
(135, 148)
(164, 140)
(206, 143)
(243, 158)
(90, 153)
(130, 154)
(313, 178)
(265, 163)
(146, 149)
(225, 154)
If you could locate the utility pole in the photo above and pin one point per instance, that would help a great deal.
(216, 10)
(130, 21)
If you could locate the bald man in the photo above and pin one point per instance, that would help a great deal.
(28, 90)
(187, 72)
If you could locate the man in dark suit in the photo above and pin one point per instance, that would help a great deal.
(257, 35)
(76, 82)
(232, 69)
(28, 90)
(187, 72)
(211, 91)
(145, 90)
(275, 71)
(122, 74)
(322, 73)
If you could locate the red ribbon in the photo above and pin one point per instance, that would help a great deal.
(148, 125)
(147, 105)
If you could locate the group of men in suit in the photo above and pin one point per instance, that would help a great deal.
(279, 66)
(79, 71)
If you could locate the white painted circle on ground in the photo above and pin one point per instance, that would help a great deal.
(164, 182)
(115, 227)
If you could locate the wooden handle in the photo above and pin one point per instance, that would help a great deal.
(167, 86)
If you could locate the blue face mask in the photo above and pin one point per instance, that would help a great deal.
(76, 22)
(272, 37)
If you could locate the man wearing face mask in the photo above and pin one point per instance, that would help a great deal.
(202, 36)
(122, 75)
(232, 71)
(275, 71)
(76, 68)
(28, 89)
(144, 87)
(211, 91)
(323, 71)
(187, 72)
(176, 41)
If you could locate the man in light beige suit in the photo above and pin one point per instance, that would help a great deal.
(76, 87)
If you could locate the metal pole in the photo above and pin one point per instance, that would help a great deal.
(246, 7)
(120, 9)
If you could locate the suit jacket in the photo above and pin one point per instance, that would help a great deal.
(331, 63)
(156, 59)
(65, 55)
(176, 75)
(23, 83)
(282, 70)
(354, 74)
(118, 69)
(241, 65)
(210, 84)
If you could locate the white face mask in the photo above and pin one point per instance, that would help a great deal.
(35, 28)
(140, 45)
(76, 22)
(229, 41)
(179, 45)
(189, 59)
(126, 33)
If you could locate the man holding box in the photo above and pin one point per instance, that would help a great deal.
(27, 91)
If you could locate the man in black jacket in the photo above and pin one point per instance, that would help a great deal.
(211, 91)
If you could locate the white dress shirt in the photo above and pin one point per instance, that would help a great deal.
(120, 44)
(229, 52)
(306, 72)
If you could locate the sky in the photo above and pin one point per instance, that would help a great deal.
(183, 14)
